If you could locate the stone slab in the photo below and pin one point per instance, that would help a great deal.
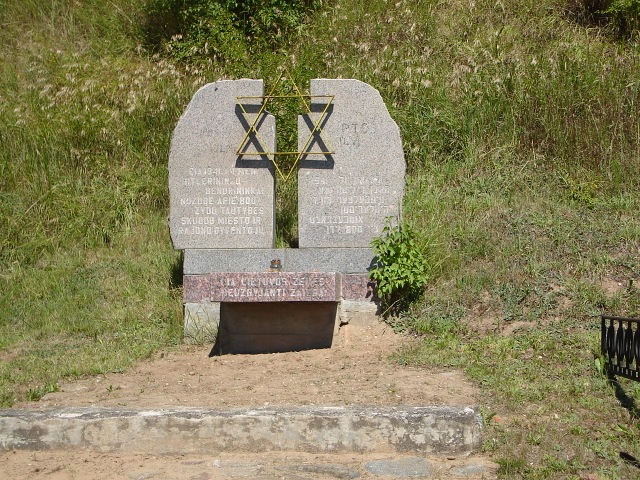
(217, 198)
(282, 327)
(450, 430)
(201, 322)
(358, 287)
(345, 198)
(415, 467)
(361, 313)
(331, 470)
(262, 287)
(344, 260)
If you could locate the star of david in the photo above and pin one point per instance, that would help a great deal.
(252, 137)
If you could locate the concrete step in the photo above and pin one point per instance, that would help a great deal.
(358, 429)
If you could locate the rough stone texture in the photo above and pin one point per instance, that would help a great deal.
(344, 260)
(218, 199)
(405, 468)
(363, 313)
(358, 287)
(201, 322)
(262, 287)
(451, 430)
(343, 199)
(469, 470)
(281, 327)
(331, 470)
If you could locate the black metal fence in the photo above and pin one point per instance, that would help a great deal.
(620, 346)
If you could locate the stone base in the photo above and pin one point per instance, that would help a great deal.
(272, 327)
(260, 312)
(201, 322)
(275, 327)
(451, 430)
(352, 311)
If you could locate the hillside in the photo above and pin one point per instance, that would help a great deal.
(521, 127)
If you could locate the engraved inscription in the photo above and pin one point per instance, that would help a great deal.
(269, 288)
(220, 204)
(261, 287)
(352, 200)
(352, 133)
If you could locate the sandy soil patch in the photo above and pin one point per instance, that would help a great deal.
(355, 370)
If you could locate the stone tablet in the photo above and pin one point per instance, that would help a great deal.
(217, 198)
(345, 260)
(262, 287)
(344, 198)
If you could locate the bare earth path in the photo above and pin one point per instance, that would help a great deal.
(356, 370)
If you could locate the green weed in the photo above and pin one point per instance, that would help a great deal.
(401, 269)
(35, 394)
(206, 31)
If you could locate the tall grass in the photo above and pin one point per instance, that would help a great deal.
(521, 127)
(85, 261)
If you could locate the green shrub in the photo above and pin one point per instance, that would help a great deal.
(626, 16)
(223, 29)
(621, 16)
(401, 270)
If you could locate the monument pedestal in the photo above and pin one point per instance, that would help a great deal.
(222, 173)
(285, 303)
(201, 322)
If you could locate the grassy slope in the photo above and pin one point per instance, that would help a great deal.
(85, 254)
(522, 137)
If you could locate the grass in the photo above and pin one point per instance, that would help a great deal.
(521, 127)
(517, 307)
(548, 411)
(84, 312)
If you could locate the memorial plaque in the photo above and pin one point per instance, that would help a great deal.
(218, 199)
(262, 287)
(344, 198)
(351, 178)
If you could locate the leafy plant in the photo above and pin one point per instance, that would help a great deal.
(401, 270)
(626, 14)
(223, 29)
(622, 17)
(35, 394)
(584, 191)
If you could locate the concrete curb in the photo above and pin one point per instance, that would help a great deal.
(449, 430)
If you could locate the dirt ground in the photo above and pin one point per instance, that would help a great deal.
(355, 370)
(86, 465)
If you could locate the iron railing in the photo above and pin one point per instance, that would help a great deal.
(620, 346)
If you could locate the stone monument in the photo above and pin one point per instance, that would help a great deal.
(217, 201)
(344, 202)
(351, 175)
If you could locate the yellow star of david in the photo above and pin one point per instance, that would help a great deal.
(253, 136)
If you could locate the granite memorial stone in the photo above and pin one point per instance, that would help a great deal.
(222, 213)
(217, 199)
(345, 198)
